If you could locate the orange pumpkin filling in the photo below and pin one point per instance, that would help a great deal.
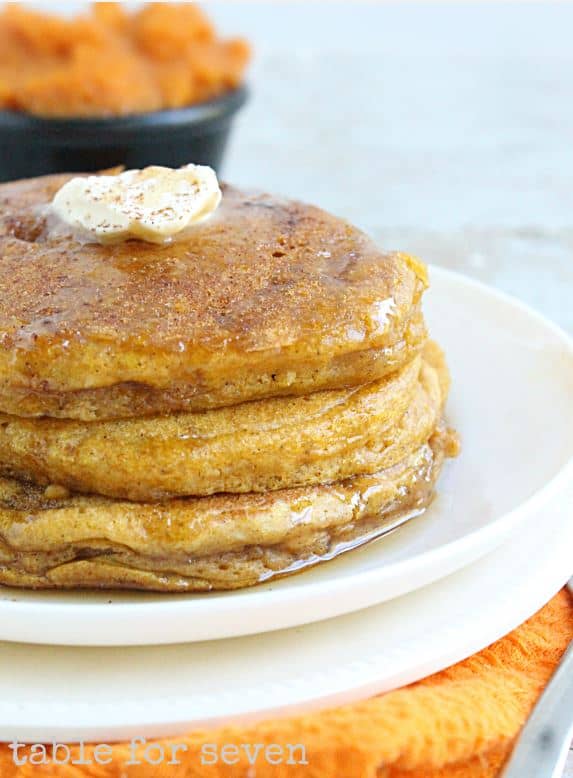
(113, 62)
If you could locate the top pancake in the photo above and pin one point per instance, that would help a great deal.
(268, 297)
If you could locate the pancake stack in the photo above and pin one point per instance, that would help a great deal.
(246, 401)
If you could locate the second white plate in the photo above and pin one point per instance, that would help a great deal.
(120, 693)
(511, 394)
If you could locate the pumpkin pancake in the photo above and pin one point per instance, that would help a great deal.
(269, 297)
(204, 543)
(268, 444)
(256, 396)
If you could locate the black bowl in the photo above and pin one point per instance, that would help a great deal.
(33, 146)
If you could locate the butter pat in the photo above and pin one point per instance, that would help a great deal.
(153, 204)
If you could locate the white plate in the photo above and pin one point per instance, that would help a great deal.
(105, 694)
(511, 401)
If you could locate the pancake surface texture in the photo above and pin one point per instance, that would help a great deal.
(269, 297)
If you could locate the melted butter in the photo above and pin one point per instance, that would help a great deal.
(380, 314)
(154, 204)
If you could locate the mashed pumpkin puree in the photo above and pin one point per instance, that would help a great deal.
(111, 61)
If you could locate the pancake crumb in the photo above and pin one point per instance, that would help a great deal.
(56, 492)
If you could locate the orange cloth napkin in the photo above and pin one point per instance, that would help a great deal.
(459, 723)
